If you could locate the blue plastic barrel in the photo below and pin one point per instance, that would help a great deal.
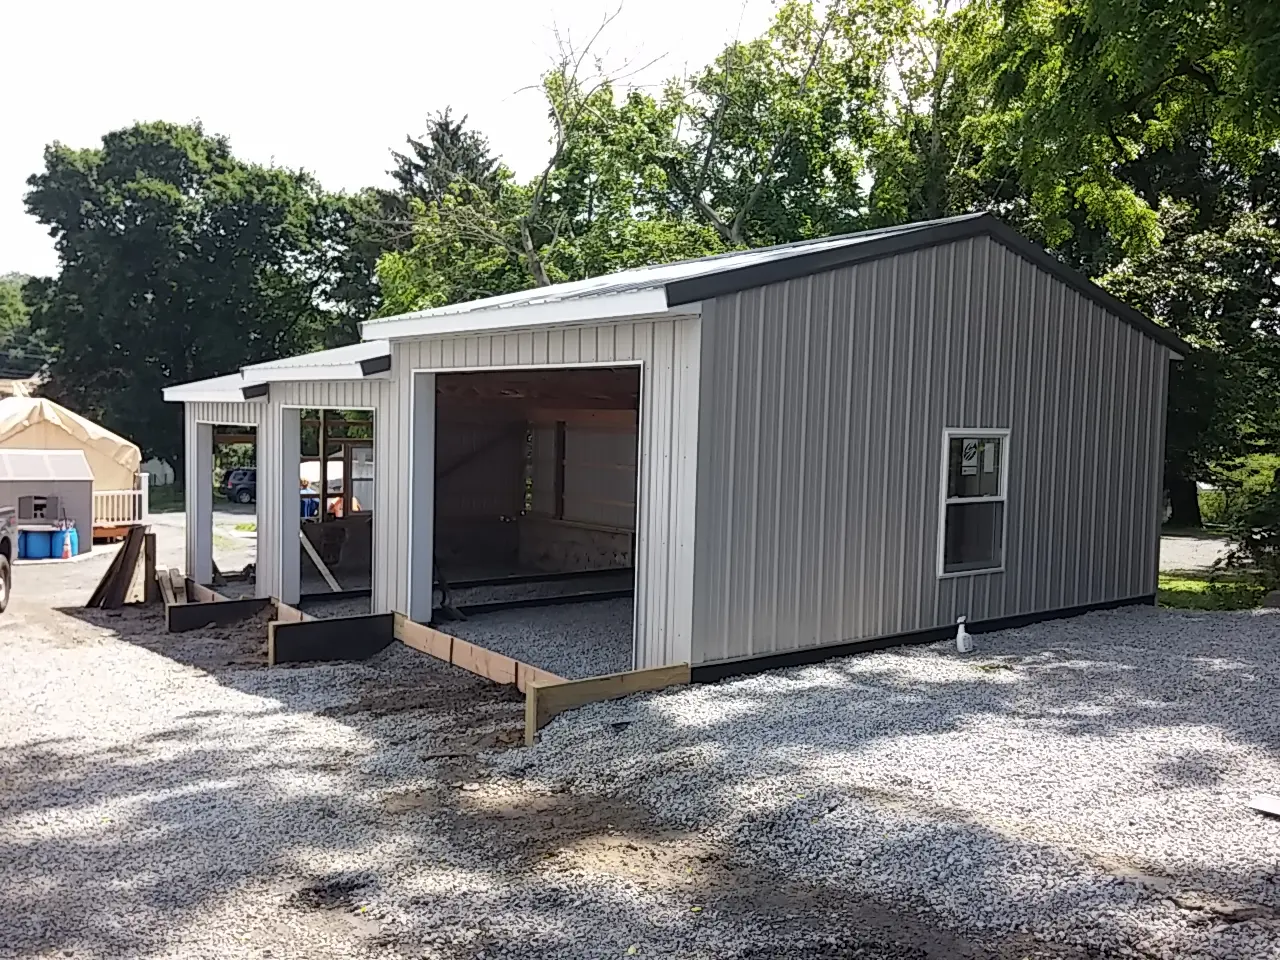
(22, 544)
(56, 540)
(39, 544)
(74, 534)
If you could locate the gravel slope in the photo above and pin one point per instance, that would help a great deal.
(1083, 780)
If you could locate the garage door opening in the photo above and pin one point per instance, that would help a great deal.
(234, 518)
(535, 514)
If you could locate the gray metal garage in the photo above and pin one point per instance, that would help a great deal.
(796, 449)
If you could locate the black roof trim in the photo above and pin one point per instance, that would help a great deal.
(375, 365)
(905, 240)
(255, 390)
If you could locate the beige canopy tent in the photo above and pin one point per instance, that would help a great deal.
(33, 423)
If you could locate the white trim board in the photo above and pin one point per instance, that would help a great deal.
(948, 434)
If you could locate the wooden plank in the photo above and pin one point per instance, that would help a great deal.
(315, 558)
(542, 702)
(100, 591)
(424, 639)
(182, 617)
(166, 588)
(119, 586)
(179, 584)
(150, 588)
(199, 593)
(288, 614)
(526, 674)
(492, 666)
(337, 638)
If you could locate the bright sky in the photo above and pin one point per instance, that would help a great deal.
(327, 86)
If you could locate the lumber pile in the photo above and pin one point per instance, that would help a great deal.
(114, 589)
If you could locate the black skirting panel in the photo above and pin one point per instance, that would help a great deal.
(182, 617)
(720, 669)
(337, 638)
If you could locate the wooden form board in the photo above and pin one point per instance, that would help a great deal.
(469, 656)
(544, 701)
(199, 593)
(322, 641)
(288, 614)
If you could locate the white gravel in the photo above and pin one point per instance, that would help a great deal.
(571, 640)
(152, 809)
(1083, 780)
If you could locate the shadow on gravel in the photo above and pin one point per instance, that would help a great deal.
(296, 796)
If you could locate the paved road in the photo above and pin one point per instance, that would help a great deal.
(1191, 554)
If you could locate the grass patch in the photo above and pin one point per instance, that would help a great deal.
(1194, 593)
(249, 527)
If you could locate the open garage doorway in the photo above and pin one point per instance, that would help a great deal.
(536, 489)
(233, 533)
(335, 506)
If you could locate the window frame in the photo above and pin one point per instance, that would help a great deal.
(949, 434)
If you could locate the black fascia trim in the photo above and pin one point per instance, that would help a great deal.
(907, 240)
(742, 666)
(375, 365)
(255, 391)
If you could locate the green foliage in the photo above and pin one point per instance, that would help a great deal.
(1217, 288)
(22, 351)
(1085, 91)
(1256, 541)
(178, 262)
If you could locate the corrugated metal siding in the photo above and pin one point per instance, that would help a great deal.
(822, 410)
(669, 352)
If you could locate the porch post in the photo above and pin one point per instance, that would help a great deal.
(422, 495)
(290, 461)
(199, 501)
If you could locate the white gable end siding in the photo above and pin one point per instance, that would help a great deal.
(822, 410)
(668, 350)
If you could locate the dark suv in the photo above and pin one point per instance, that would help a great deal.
(241, 485)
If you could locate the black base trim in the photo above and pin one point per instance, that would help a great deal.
(740, 666)
(337, 595)
(181, 617)
(476, 609)
(535, 578)
(337, 638)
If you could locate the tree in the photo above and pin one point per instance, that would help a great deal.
(1084, 89)
(22, 350)
(1219, 289)
(772, 137)
(447, 154)
(178, 262)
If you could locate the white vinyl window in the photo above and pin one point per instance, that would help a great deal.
(975, 485)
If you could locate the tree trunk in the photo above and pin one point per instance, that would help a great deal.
(1184, 503)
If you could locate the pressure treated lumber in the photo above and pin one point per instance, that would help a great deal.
(544, 701)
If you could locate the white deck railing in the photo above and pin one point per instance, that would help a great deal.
(116, 508)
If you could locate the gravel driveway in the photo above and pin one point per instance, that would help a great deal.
(160, 799)
(1083, 780)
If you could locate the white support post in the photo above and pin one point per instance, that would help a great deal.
(144, 496)
(290, 460)
(422, 495)
(199, 479)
